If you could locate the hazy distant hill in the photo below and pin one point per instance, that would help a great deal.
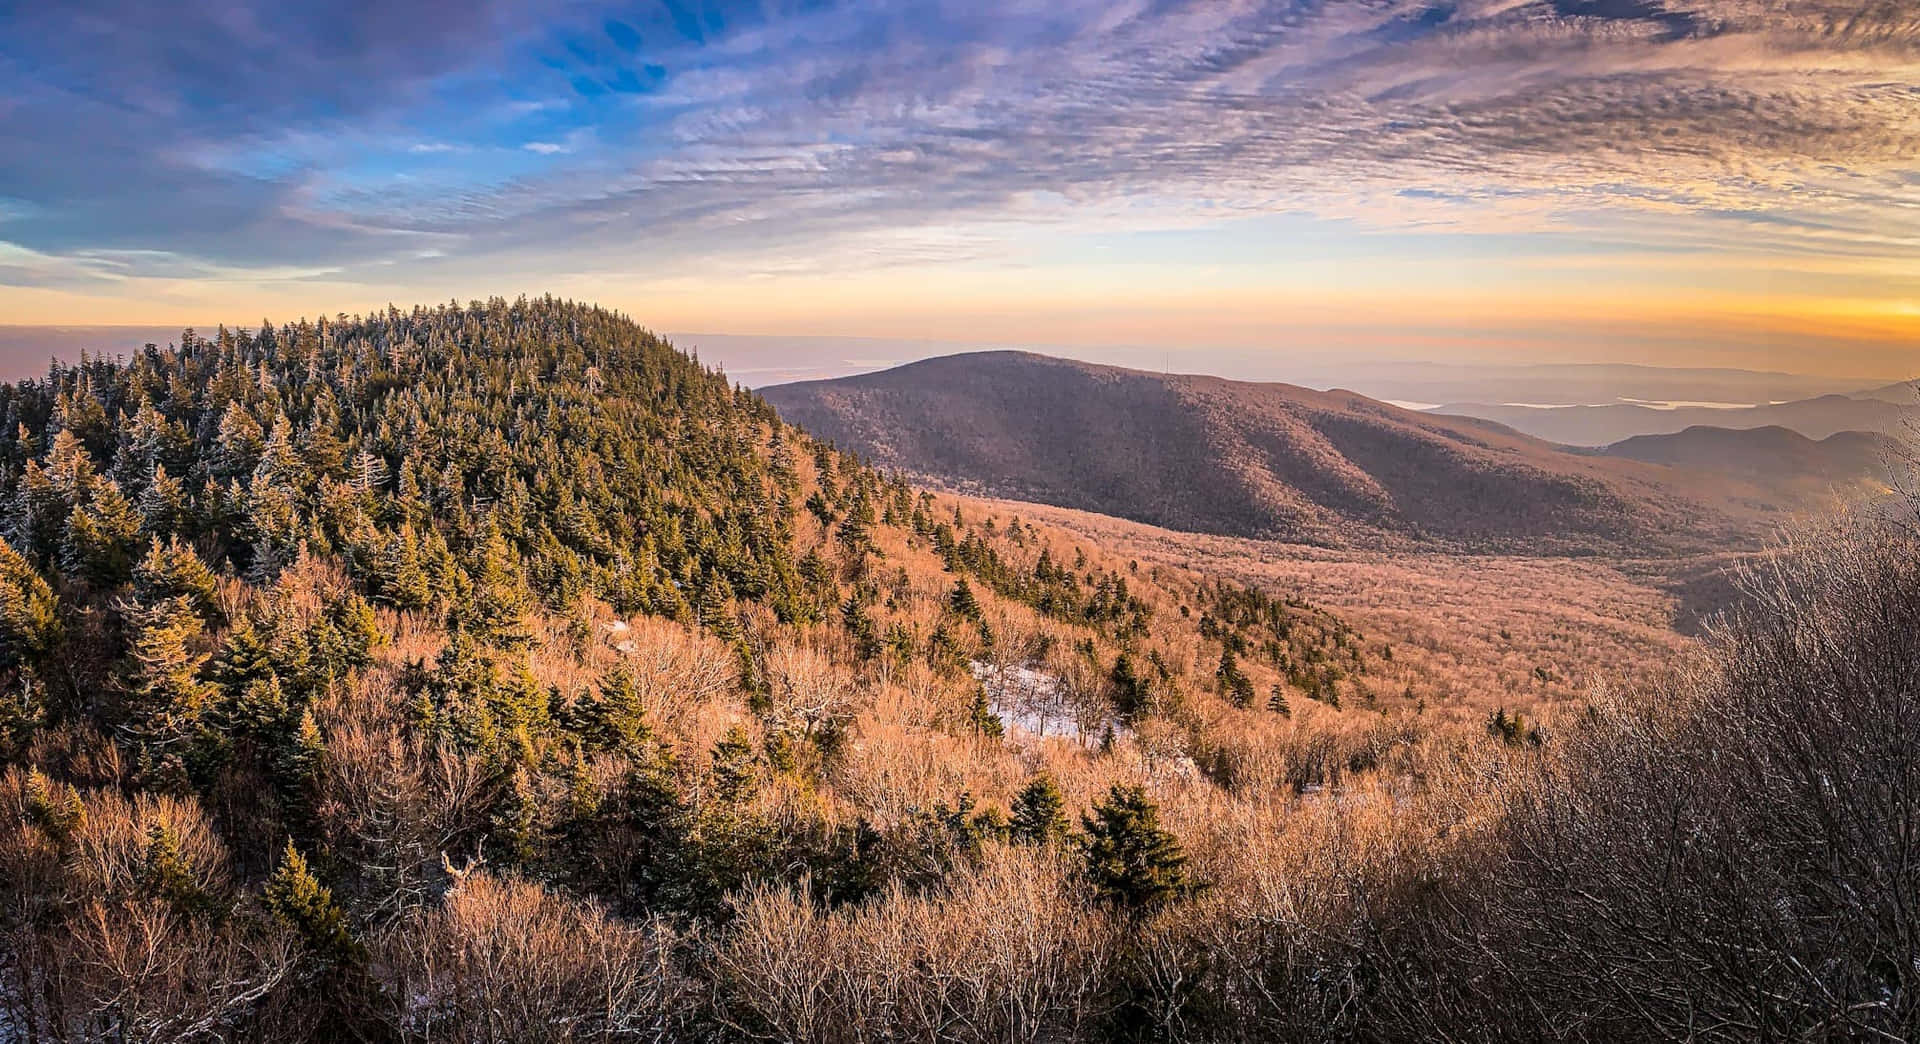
(1888, 410)
(1212, 455)
(1770, 454)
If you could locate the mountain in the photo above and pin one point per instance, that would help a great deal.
(498, 672)
(331, 649)
(1212, 455)
(1884, 411)
(1578, 383)
(1769, 454)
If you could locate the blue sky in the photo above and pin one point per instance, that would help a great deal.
(1705, 181)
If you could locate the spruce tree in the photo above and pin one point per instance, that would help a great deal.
(962, 601)
(298, 900)
(1132, 862)
(1132, 694)
(1039, 812)
(101, 539)
(516, 820)
(1233, 681)
(497, 610)
(30, 627)
(734, 772)
(174, 570)
(166, 699)
(980, 716)
(55, 808)
(1277, 702)
(165, 872)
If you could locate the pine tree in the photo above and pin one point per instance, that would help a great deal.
(1277, 702)
(1039, 812)
(166, 699)
(298, 900)
(1233, 681)
(962, 601)
(30, 627)
(174, 570)
(1132, 862)
(101, 538)
(981, 718)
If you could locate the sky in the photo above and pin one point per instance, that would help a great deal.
(1672, 182)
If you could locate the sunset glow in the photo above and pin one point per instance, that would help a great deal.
(1692, 182)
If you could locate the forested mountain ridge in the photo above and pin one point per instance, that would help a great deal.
(495, 672)
(1231, 457)
(294, 622)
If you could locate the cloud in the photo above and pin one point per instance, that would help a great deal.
(791, 133)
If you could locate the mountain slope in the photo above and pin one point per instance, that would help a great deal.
(1212, 455)
(294, 622)
(1772, 453)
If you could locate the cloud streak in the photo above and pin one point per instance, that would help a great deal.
(356, 136)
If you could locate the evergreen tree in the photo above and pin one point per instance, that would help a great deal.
(297, 899)
(516, 820)
(961, 601)
(174, 570)
(166, 699)
(1132, 694)
(1277, 702)
(238, 445)
(1039, 812)
(164, 505)
(1132, 862)
(165, 872)
(496, 612)
(1233, 681)
(101, 538)
(30, 627)
(55, 808)
(734, 773)
(980, 716)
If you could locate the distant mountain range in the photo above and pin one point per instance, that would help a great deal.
(1891, 410)
(1269, 460)
(1771, 454)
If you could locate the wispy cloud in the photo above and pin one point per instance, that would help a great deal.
(895, 130)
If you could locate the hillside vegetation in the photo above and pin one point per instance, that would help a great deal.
(494, 672)
(1228, 457)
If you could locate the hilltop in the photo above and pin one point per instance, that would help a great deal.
(1237, 458)
(315, 632)
(1769, 453)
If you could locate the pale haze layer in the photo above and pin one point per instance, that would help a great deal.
(1689, 182)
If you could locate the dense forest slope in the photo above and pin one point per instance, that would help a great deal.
(308, 631)
(1212, 455)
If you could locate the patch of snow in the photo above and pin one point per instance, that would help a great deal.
(1030, 703)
